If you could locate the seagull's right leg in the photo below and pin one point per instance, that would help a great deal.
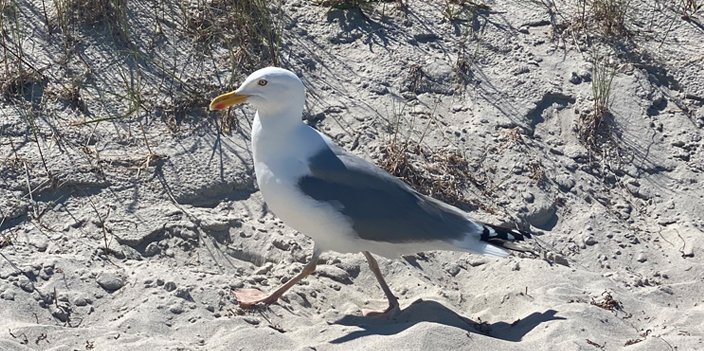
(250, 297)
(393, 308)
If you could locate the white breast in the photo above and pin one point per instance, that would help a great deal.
(278, 167)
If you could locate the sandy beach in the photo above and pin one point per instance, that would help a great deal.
(129, 212)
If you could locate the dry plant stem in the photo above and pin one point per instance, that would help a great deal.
(38, 217)
(105, 231)
(146, 141)
(29, 186)
(667, 32)
(14, 151)
(46, 18)
(19, 57)
(41, 154)
(2, 37)
(102, 225)
(684, 243)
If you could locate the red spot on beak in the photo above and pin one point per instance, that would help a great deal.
(219, 106)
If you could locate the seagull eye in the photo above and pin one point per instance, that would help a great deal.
(262, 82)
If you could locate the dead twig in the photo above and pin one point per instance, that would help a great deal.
(684, 245)
(595, 344)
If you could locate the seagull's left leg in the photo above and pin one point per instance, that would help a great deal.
(250, 297)
(393, 308)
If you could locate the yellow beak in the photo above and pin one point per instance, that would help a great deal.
(227, 100)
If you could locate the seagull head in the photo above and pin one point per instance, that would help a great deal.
(272, 91)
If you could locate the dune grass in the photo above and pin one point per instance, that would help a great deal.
(590, 125)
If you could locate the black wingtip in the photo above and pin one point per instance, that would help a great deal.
(505, 237)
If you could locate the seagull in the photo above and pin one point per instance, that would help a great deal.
(342, 202)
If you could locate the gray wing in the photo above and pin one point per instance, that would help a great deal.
(382, 207)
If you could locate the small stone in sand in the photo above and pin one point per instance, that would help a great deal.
(25, 284)
(176, 308)
(169, 286)
(59, 313)
(80, 301)
(8, 295)
(110, 281)
(151, 250)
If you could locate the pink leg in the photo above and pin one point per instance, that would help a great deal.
(393, 308)
(250, 297)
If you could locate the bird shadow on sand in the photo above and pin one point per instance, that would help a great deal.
(434, 312)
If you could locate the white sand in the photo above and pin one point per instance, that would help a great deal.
(629, 229)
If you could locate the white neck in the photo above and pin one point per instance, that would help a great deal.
(270, 135)
(283, 142)
(279, 121)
